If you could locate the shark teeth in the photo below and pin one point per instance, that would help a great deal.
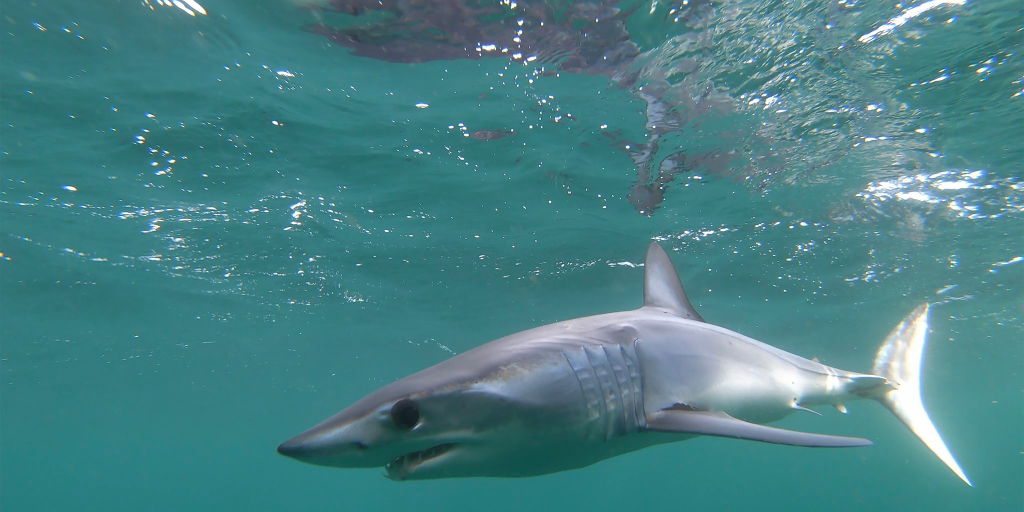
(399, 468)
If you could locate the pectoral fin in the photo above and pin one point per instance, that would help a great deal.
(717, 423)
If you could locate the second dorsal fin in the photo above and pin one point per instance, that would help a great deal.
(662, 288)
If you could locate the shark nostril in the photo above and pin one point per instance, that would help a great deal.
(359, 446)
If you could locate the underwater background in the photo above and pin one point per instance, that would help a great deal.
(223, 221)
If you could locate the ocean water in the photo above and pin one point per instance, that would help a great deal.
(221, 223)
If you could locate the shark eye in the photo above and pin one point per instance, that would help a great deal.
(405, 413)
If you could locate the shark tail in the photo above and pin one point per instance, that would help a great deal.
(899, 361)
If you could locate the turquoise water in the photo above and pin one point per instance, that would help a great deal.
(220, 228)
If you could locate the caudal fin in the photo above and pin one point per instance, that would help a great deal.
(899, 361)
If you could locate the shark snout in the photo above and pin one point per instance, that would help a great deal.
(323, 448)
(302, 448)
(293, 448)
(331, 445)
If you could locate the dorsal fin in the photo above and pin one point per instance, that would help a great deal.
(662, 288)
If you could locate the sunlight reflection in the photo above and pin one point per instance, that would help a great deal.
(906, 16)
(191, 7)
(960, 191)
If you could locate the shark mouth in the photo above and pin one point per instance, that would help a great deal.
(399, 468)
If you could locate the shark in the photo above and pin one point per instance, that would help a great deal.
(570, 394)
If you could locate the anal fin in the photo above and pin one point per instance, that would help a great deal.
(717, 423)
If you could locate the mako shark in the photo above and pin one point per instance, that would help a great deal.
(567, 395)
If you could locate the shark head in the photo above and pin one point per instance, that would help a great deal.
(463, 417)
(409, 434)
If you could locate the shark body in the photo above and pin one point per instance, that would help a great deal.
(570, 394)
